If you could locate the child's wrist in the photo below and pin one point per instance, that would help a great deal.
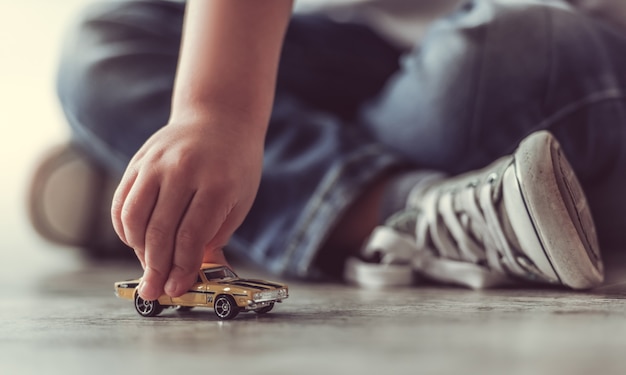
(221, 116)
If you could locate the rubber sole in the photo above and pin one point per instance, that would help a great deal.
(559, 211)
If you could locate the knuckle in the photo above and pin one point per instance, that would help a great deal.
(183, 161)
(116, 213)
(177, 161)
(116, 220)
(155, 273)
(186, 238)
(183, 269)
(128, 216)
(156, 235)
(223, 186)
(116, 206)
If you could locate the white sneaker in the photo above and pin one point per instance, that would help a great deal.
(524, 218)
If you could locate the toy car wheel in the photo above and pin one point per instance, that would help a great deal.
(225, 307)
(147, 308)
(266, 309)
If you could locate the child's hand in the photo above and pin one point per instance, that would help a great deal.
(183, 195)
(193, 182)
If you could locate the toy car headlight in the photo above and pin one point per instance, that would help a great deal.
(282, 293)
(270, 295)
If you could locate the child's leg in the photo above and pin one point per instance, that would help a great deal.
(496, 71)
(118, 67)
(485, 78)
(116, 76)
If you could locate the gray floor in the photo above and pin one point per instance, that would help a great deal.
(67, 321)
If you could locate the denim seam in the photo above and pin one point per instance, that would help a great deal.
(609, 94)
(302, 249)
(593, 98)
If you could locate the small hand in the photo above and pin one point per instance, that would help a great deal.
(181, 198)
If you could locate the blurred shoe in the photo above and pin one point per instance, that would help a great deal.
(522, 219)
(69, 203)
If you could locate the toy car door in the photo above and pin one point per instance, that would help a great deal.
(195, 296)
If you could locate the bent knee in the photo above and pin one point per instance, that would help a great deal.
(119, 56)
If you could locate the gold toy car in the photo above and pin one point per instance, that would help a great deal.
(217, 287)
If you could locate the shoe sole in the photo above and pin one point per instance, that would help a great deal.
(64, 197)
(559, 211)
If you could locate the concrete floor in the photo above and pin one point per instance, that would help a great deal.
(67, 321)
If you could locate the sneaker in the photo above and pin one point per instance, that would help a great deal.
(69, 202)
(522, 219)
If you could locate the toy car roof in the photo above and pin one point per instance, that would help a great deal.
(207, 266)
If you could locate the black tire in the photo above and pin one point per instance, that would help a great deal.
(147, 309)
(225, 307)
(265, 310)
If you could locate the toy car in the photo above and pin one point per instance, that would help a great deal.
(217, 287)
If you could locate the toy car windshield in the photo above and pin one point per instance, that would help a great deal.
(221, 273)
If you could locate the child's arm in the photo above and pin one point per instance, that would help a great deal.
(192, 183)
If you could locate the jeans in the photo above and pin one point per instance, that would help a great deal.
(349, 107)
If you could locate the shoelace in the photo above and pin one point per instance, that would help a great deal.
(457, 237)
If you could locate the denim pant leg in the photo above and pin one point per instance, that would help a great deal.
(115, 85)
(116, 75)
(495, 71)
(315, 168)
(317, 160)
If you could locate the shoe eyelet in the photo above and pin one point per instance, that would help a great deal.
(492, 178)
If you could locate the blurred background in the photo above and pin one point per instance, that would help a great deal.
(30, 35)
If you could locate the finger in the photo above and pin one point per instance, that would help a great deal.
(200, 218)
(225, 232)
(140, 254)
(215, 255)
(213, 250)
(119, 197)
(160, 234)
(198, 226)
(137, 209)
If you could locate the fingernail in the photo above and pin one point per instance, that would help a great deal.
(171, 286)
